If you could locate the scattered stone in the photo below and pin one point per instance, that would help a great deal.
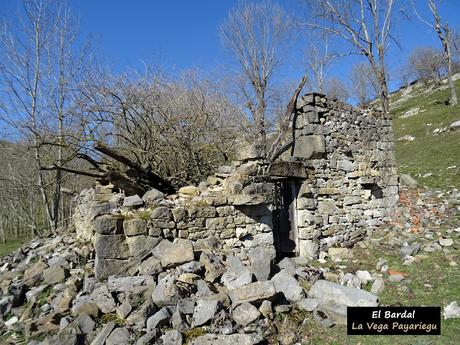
(232, 339)
(159, 319)
(411, 249)
(395, 278)
(289, 286)
(165, 293)
(378, 286)
(172, 337)
(452, 311)
(337, 254)
(266, 309)
(119, 336)
(152, 196)
(446, 242)
(308, 304)
(133, 201)
(103, 334)
(326, 291)
(364, 276)
(237, 275)
(254, 292)
(172, 254)
(103, 299)
(204, 312)
(408, 181)
(261, 259)
(245, 314)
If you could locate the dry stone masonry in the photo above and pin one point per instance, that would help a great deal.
(334, 185)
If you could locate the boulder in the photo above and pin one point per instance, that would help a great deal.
(254, 292)
(245, 314)
(53, 275)
(111, 246)
(237, 275)
(286, 284)
(174, 253)
(150, 266)
(133, 201)
(119, 336)
(172, 337)
(141, 244)
(408, 181)
(131, 284)
(103, 299)
(204, 312)
(452, 311)
(103, 333)
(159, 319)
(188, 192)
(261, 259)
(213, 266)
(152, 196)
(326, 291)
(165, 293)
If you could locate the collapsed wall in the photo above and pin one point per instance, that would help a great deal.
(351, 185)
(337, 182)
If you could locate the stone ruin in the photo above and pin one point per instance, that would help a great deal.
(334, 184)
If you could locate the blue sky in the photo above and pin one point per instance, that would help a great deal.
(183, 33)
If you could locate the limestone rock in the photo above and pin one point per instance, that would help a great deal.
(261, 259)
(165, 293)
(237, 275)
(134, 227)
(103, 299)
(452, 311)
(188, 192)
(254, 292)
(133, 201)
(232, 339)
(289, 286)
(245, 314)
(119, 336)
(53, 275)
(204, 312)
(172, 337)
(152, 196)
(326, 291)
(103, 333)
(108, 225)
(159, 319)
(172, 254)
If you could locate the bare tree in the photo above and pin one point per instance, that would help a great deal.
(335, 89)
(319, 59)
(256, 34)
(38, 74)
(366, 26)
(427, 63)
(444, 33)
(364, 84)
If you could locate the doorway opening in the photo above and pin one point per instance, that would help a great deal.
(285, 218)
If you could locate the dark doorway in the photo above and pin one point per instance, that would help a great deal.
(285, 218)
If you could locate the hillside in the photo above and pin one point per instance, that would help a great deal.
(433, 157)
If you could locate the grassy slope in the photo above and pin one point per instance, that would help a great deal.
(428, 153)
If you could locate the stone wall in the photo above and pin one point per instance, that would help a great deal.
(341, 168)
(351, 185)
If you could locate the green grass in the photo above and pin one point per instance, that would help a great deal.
(434, 270)
(428, 153)
(11, 245)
